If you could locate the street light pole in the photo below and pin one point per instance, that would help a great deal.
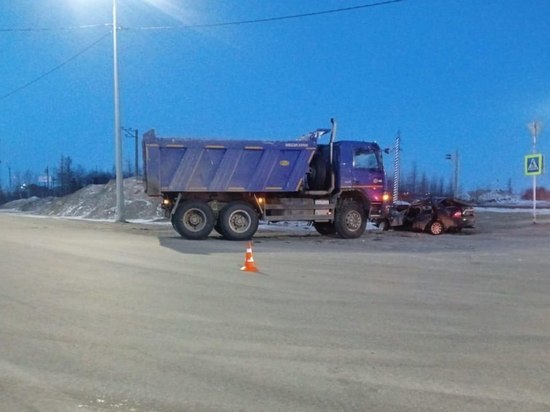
(119, 214)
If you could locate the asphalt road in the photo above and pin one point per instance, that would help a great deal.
(125, 317)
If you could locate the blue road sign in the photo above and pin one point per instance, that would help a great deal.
(533, 164)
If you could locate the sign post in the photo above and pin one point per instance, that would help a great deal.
(533, 164)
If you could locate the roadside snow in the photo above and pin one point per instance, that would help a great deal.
(94, 202)
(510, 209)
(98, 203)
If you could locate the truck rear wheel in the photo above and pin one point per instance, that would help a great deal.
(193, 220)
(350, 220)
(238, 221)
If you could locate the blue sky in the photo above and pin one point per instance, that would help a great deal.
(464, 75)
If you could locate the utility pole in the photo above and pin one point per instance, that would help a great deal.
(136, 153)
(119, 214)
(48, 177)
(454, 157)
(133, 133)
(396, 167)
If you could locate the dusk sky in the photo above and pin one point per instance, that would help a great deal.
(466, 75)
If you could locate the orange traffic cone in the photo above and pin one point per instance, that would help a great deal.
(249, 265)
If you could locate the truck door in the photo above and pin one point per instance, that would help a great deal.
(367, 171)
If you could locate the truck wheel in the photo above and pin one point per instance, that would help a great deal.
(436, 228)
(324, 228)
(238, 221)
(317, 173)
(350, 220)
(193, 220)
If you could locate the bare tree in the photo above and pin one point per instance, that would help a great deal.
(65, 175)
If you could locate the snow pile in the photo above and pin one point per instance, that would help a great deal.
(497, 196)
(93, 202)
(502, 199)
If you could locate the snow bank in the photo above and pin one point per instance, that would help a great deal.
(97, 202)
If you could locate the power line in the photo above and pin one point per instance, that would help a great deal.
(270, 19)
(234, 23)
(59, 66)
(206, 25)
(49, 29)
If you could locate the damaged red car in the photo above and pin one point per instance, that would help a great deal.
(435, 215)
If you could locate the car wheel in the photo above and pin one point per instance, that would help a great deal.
(193, 220)
(436, 228)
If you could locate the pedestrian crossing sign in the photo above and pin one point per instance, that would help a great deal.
(533, 164)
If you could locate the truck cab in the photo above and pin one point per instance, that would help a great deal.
(359, 173)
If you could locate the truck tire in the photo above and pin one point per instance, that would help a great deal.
(193, 220)
(350, 220)
(325, 228)
(317, 174)
(238, 221)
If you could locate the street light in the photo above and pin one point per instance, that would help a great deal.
(119, 214)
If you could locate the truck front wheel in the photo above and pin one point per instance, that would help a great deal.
(350, 220)
(193, 220)
(238, 221)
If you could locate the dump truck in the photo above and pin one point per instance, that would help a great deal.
(231, 185)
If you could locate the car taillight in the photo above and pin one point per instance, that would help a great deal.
(457, 214)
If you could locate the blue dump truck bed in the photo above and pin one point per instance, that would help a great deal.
(193, 165)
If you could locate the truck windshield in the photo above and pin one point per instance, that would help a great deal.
(366, 159)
